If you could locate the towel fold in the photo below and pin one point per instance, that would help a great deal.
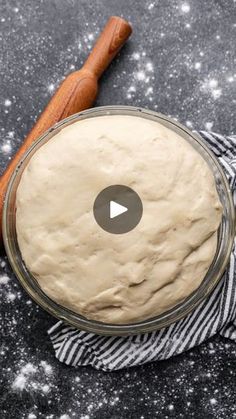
(217, 313)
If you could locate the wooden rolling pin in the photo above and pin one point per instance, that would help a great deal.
(76, 93)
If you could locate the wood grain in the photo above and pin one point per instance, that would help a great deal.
(77, 92)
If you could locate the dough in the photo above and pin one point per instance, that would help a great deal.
(108, 277)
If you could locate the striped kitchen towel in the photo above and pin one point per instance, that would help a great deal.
(217, 313)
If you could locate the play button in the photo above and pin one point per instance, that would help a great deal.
(117, 209)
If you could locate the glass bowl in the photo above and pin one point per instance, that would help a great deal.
(225, 233)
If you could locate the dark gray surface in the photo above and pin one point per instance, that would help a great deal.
(181, 62)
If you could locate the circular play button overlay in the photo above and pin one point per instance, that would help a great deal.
(117, 209)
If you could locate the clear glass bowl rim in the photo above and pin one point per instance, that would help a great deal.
(163, 320)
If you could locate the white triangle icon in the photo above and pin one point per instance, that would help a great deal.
(116, 209)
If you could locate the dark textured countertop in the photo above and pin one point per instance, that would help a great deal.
(181, 62)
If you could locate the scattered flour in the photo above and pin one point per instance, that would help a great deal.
(7, 102)
(6, 147)
(11, 297)
(209, 125)
(211, 86)
(141, 79)
(19, 382)
(189, 124)
(213, 83)
(51, 87)
(197, 66)
(140, 75)
(47, 368)
(136, 56)
(45, 388)
(150, 6)
(216, 93)
(30, 378)
(28, 369)
(213, 401)
(185, 8)
(132, 89)
(11, 134)
(91, 37)
(4, 279)
(149, 66)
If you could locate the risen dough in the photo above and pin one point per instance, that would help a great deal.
(108, 277)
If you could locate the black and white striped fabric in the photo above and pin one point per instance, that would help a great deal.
(215, 314)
